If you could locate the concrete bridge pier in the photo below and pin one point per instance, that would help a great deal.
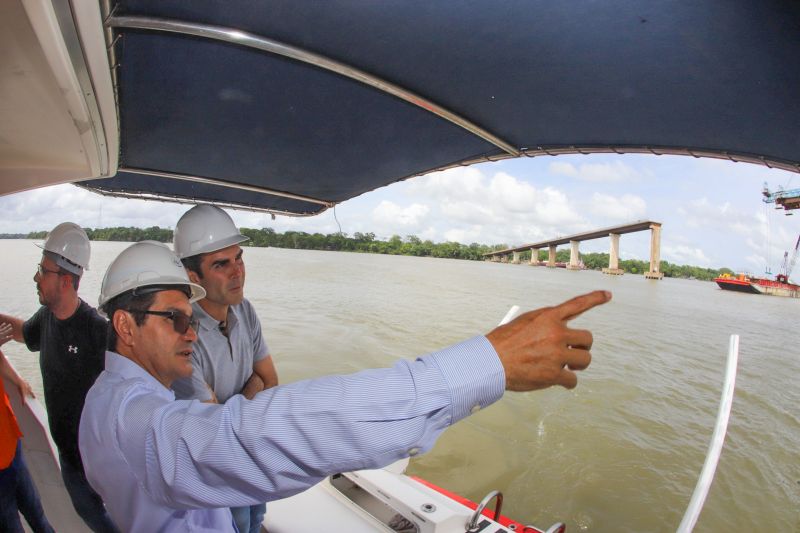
(534, 257)
(613, 257)
(574, 256)
(551, 256)
(512, 255)
(655, 253)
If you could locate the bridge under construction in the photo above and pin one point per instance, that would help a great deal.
(613, 233)
(783, 199)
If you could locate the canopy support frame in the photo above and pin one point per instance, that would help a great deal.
(250, 40)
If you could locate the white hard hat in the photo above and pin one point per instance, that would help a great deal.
(205, 228)
(70, 243)
(145, 264)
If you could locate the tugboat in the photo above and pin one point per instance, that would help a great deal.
(742, 282)
(780, 286)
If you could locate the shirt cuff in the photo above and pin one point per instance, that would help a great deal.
(473, 373)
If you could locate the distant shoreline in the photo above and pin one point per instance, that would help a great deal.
(367, 243)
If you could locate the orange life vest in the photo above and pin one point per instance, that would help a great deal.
(9, 430)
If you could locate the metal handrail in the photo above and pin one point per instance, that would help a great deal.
(472, 525)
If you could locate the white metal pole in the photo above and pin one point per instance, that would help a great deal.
(717, 440)
(512, 313)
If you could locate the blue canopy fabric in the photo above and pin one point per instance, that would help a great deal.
(718, 77)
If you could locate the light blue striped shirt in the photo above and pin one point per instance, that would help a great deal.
(162, 464)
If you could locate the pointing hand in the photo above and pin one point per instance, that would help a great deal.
(538, 350)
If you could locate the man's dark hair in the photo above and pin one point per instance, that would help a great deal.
(193, 263)
(131, 302)
(135, 301)
(76, 279)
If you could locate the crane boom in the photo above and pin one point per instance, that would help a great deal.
(788, 264)
(792, 262)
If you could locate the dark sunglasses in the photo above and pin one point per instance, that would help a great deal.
(180, 321)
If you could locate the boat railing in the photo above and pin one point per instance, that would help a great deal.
(717, 440)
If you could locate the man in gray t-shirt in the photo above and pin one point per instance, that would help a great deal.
(224, 364)
(230, 356)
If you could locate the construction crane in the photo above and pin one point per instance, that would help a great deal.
(782, 199)
(788, 264)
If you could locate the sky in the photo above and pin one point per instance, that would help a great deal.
(711, 210)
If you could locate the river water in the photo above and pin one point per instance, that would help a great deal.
(621, 453)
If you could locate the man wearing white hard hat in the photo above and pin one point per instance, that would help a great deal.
(178, 465)
(70, 338)
(230, 355)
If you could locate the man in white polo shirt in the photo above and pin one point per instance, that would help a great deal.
(230, 356)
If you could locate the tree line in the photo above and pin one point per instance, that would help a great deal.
(599, 261)
(396, 245)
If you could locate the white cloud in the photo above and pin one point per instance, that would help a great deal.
(513, 195)
(463, 235)
(42, 209)
(685, 255)
(614, 171)
(763, 236)
(462, 183)
(753, 263)
(624, 208)
(469, 205)
(411, 218)
(564, 169)
(555, 209)
(701, 213)
(495, 198)
(468, 212)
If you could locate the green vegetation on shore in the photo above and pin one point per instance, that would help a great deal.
(396, 245)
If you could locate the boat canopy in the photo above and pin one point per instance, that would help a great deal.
(292, 107)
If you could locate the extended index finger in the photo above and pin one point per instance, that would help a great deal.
(580, 304)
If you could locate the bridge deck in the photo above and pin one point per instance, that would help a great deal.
(640, 225)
